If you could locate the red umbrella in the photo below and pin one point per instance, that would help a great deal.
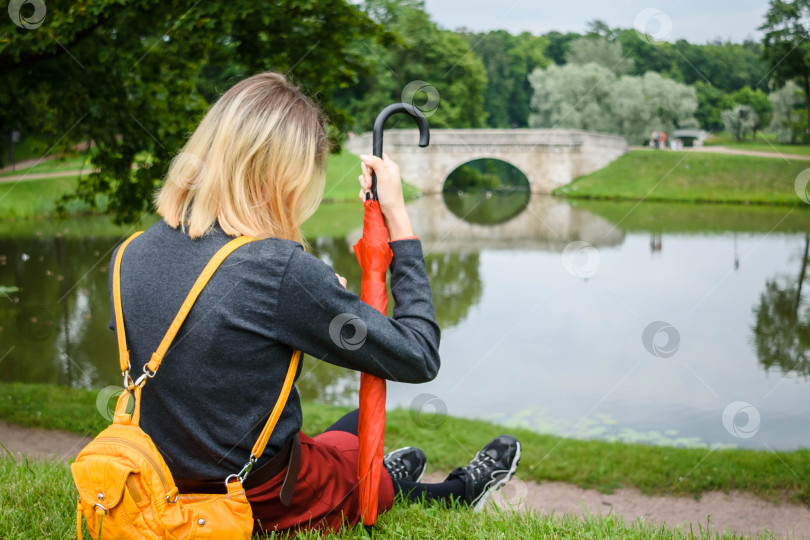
(374, 256)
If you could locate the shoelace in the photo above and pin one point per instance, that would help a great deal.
(481, 464)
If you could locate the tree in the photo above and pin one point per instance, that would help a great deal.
(740, 121)
(508, 60)
(756, 99)
(646, 56)
(558, 44)
(455, 77)
(673, 104)
(591, 97)
(690, 63)
(786, 48)
(571, 96)
(786, 121)
(598, 27)
(709, 109)
(123, 74)
(600, 51)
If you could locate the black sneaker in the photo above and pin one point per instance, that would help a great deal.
(489, 470)
(407, 463)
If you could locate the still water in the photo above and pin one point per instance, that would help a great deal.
(668, 324)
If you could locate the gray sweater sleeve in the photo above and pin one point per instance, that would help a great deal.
(317, 315)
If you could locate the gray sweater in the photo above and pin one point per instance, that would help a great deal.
(223, 373)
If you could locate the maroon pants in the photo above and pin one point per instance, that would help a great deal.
(326, 494)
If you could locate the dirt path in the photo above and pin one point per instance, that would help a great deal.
(38, 176)
(80, 147)
(736, 511)
(759, 153)
(735, 151)
(41, 443)
(740, 512)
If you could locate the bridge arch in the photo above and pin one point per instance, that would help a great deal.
(474, 163)
(474, 174)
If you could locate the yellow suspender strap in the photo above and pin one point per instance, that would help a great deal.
(154, 363)
(123, 352)
(261, 442)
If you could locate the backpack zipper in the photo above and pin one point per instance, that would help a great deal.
(142, 452)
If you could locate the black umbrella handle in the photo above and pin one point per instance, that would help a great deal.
(377, 137)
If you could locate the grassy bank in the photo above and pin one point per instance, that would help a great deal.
(449, 442)
(38, 501)
(330, 220)
(691, 177)
(37, 197)
(677, 217)
(31, 198)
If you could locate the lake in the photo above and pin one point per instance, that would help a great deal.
(660, 323)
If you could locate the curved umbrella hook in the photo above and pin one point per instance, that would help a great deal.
(377, 137)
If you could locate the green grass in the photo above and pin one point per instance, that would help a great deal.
(31, 147)
(330, 220)
(38, 501)
(32, 198)
(37, 198)
(450, 441)
(66, 165)
(73, 226)
(692, 177)
(341, 179)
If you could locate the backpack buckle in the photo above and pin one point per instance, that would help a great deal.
(147, 374)
(241, 475)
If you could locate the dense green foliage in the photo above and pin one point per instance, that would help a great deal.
(431, 68)
(123, 74)
(786, 48)
(508, 60)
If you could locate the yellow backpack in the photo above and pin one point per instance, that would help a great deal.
(125, 489)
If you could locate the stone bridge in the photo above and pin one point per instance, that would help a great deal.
(548, 157)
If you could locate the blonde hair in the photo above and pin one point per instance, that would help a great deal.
(256, 164)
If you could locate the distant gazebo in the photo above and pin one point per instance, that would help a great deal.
(690, 137)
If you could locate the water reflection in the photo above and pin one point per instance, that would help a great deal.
(486, 207)
(454, 278)
(546, 223)
(782, 329)
(55, 326)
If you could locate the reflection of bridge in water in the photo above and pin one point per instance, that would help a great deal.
(546, 224)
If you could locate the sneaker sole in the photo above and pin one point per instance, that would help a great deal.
(421, 474)
(482, 500)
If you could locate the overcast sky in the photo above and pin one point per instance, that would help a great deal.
(698, 21)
